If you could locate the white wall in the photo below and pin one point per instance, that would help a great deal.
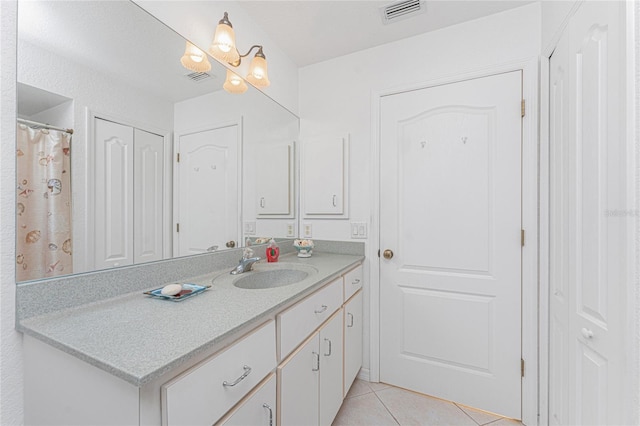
(336, 95)
(11, 341)
(197, 21)
(39, 68)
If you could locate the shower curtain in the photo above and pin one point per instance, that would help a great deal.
(43, 215)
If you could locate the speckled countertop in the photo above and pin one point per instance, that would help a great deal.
(139, 338)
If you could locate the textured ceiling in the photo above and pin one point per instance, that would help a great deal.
(311, 31)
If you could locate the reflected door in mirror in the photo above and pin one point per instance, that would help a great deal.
(207, 190)
(129, 204)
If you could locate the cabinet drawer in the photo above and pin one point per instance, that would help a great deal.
(258, 408)
(297, 323)
(200, 395)
(352, 282)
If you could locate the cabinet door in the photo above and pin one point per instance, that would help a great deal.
(148, 196)
(299, 385)
(257, 409)
(113, 193)
(324, 177)
(274, 181)
(331, 350)
(352, 340)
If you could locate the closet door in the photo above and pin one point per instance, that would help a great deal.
(587, 239)
(148, 196)
(113, 225)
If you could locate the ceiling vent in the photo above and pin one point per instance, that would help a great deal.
(401, 10)
(197, 77)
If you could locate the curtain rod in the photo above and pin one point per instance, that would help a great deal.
(47, 126)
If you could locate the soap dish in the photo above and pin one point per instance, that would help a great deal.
(188, 290)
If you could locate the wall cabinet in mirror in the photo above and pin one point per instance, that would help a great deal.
(324, 173)
(274, 182)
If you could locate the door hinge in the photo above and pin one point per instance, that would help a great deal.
(522, 237)
(177, 227)
(521, 367)
(178, 157)
(522, 108)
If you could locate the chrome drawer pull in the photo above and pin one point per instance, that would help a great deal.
(262, 202)
(351, 318)
(265, 405)
(335, 204)
(324, 308)
(327, 340)
(317, 362)
(247, 370)
(356, 281)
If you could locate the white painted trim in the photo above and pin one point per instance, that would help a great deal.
(530, 209)
(90, 183)
(631, 390)
(176, 177)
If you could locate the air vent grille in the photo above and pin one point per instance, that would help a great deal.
(198, 76)
(402, 9)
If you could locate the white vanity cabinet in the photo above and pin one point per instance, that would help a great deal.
(203, 394)
(258, 408)
(352, 339)
(311, 378)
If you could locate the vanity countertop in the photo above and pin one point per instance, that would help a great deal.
(139, 338)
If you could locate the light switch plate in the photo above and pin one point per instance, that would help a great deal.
(358, 230)
(307, 230)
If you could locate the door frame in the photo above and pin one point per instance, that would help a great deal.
(530, 209)
(176, 175)
(631, 384)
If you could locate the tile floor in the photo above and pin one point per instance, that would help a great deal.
(378, 404)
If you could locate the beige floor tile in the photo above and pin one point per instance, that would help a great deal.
(378, 386)
(481, 417)
(359, 387)
(411, 408)
(506, 422)
(365, 410)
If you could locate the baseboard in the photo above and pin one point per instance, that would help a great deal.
(363, 374)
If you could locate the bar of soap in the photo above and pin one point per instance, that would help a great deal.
(171, 289)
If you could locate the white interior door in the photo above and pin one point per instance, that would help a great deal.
(450, 211)
(208, 186)
(148, 205)
(113, 194)
(587, 166)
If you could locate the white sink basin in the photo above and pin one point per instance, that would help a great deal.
(267, 275)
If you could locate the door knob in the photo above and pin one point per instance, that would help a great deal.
(588, 334)
(231, 244)
(387, 254)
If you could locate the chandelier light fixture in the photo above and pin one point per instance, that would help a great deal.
(223, 47)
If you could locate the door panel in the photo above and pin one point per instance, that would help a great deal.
(450, 210)
(587, 167)
(208, 185)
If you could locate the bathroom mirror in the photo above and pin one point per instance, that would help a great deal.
(112, 72)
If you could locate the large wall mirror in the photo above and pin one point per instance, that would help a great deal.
(162, 162)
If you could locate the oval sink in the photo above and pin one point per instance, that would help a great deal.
(270, 279)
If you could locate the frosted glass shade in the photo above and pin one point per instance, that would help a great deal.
(223, 46)
(195, 59)
(234, 83)
(258, 72)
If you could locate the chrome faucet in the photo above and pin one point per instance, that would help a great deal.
(245, 264)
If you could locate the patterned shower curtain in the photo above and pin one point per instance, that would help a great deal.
(43, 216)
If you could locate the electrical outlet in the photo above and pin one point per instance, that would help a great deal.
(290, 229)
(250, 228)
(307, 230)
